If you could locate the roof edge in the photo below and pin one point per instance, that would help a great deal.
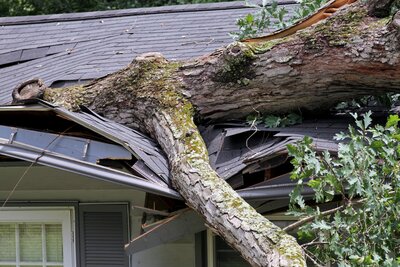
(23, 20)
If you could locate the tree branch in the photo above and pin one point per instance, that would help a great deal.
(311, 258)
(306, 220)
(313, 244)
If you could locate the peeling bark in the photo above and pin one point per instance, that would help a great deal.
(348, 55)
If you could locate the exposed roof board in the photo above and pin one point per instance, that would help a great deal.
(79, 148)
(170, 229)
(83, 46)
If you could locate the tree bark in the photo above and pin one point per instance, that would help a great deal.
(348, 55)
(344, 57)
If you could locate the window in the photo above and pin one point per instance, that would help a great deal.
(36, 238)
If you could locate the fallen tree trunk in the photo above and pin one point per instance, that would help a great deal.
(348, 55)
(344, 57)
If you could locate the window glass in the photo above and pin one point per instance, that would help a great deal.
(29, 239)
(7, 242)
(54, 243)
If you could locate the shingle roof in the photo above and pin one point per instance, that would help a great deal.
(83, 46)
(70, 48)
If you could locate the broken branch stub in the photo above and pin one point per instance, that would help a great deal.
(30, 89)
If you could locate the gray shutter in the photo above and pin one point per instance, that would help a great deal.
(103, 234)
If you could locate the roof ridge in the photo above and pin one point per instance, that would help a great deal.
(23, 20)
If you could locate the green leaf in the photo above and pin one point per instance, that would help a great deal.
(367, 119)
(392, 121)
(321, 225)
(292, 149)
(294, 118)
(377, 144)
(314, 183)
(272, 121)
(307, 140)
(249, 18)
(253, 119)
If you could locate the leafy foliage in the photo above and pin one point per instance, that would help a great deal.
(364, 230)
(273, 121)
(387, 101)
(269, 14)
(307, 7)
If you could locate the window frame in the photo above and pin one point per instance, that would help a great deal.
(63, 216)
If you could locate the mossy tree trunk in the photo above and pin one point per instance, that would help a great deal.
(350, 54)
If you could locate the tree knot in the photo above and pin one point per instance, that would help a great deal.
(234, 64)
(237, 49)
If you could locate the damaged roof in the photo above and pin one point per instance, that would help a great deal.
(92, 154)
(64, 49)
(73, 48)
(253, 160)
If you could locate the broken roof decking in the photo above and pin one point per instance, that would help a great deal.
(68, 48)
(152, 163)
(82, 155)
(235, 151)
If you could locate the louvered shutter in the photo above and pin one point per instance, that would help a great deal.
(103, 234)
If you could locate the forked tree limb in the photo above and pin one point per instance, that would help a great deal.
(347, 55)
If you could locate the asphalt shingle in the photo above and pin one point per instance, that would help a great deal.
(89, 45)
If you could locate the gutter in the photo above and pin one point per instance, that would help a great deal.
(87, 169)
(98, 172)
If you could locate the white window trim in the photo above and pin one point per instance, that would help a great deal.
(210, 248)
(65, 216)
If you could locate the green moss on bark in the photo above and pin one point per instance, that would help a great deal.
(237, 65)
(70, 98)
(335, 31)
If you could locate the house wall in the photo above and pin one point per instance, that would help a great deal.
(56, 186)
(178, 254)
